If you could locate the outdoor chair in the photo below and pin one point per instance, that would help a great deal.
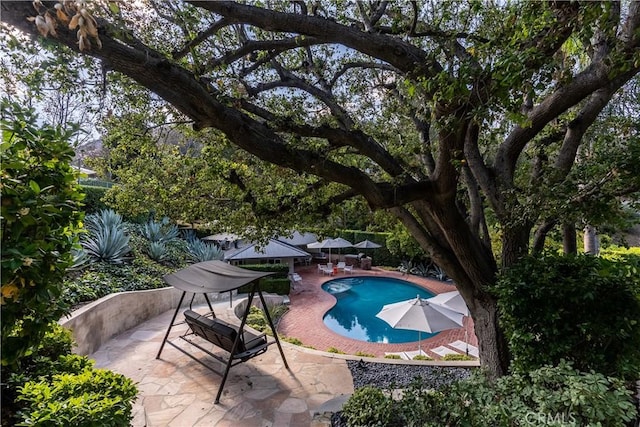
(240, 347)
(341, 265)
(348, 269)
(321, 268)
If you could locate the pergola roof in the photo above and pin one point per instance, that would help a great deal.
(212, 276)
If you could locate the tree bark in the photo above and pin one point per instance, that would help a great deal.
(591, 244)
(569, 239)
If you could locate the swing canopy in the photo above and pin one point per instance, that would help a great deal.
(212, 276)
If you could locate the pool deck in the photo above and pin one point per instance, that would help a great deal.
(309, 303)
(175, 391)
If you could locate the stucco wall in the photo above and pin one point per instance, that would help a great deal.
(99, 321)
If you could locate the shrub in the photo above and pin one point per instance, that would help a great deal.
(368, 406)
(392, 356)
(93, 198)
(55, 388)
(93, 397)
(423, 357)
(557, 307)
(39, 218)
(363, 354)
(335, 350)
(559, 396)
(456, 357)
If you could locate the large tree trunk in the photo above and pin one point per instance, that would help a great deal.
(569, 239)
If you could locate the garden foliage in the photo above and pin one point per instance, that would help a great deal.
(549, 396)
(40, 215)
(56, 388)
(583, 309)
(107, 239)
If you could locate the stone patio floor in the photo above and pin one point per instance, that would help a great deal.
(176, 391)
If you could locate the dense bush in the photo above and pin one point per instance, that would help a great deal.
(56, 388)
(550, 396)
(40, 213)
(368, 406)
(93, 199)
(89, 398)
(258, 321)
(583, 309)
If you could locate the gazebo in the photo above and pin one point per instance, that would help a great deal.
(218, 277)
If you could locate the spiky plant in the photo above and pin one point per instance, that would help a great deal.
(200, 251)
(158, 251)
(106, 218)
(80, 259)
(106, 239)
(160, 231)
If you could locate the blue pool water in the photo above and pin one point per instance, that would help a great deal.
(359, 299)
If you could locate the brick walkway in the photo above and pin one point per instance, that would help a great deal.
(309, 303)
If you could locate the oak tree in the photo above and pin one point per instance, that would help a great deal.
(448, 115)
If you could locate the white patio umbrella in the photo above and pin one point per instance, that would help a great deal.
(454, 301)
(336, 243)
(367, 244)
(420, 315)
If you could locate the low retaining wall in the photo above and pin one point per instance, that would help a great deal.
(97, 322)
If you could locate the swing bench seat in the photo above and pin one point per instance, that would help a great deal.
(223, 335)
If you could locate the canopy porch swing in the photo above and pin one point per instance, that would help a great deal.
(218, 277)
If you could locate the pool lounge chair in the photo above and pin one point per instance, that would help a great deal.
(348, 269)
(462, 346)
(443, 351)
(341, 265)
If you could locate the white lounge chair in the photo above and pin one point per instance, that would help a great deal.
(443, 351)
(462, 346)
(348, 269)
(341, 265)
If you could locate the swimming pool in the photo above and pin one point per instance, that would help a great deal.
(359, 299)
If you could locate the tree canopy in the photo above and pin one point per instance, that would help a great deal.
(452, 116)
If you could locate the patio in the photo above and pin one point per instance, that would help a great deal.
(177, 391)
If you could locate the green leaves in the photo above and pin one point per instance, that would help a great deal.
(40, 214)
(555, 308)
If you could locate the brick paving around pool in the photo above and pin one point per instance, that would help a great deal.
(309, 303)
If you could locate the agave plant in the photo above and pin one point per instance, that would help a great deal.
(160, 231)
(80, 259)
(106, 239)
(438, 273)
(200, 251)
(158, 251)
(106, 218)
